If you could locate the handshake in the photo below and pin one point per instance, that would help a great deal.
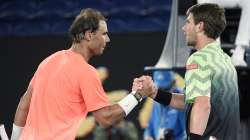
(144, 86)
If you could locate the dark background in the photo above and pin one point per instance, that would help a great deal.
(126, 56)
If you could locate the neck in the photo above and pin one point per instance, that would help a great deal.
(82, 50)
(202, 42)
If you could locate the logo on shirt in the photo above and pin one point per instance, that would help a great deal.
(192, 66)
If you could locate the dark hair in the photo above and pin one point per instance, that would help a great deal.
(88, 19)
(213, 17)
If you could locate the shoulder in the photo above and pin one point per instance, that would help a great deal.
(49, 61)
(198, 57)
(90, 70)
(88, 74)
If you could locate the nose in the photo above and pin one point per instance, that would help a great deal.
(183, 28)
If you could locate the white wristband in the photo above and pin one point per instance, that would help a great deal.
(128, 103)
(16, 132)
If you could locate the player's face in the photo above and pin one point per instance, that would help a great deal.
(189, 31)
(100, 38)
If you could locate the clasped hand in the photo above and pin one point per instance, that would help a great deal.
(145, 86)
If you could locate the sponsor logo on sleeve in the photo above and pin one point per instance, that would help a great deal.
(191, 66)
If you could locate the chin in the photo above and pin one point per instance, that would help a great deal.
(191, 43)
(100, 53)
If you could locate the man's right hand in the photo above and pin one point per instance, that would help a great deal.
(145, 86)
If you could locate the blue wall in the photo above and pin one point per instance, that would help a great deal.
(53, 17)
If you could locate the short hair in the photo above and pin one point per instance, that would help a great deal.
(88, 19)
(213, 17)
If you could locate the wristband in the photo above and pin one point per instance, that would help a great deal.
(16, 132)
(137, 96)
(128, 103)
(193, 136)
(163, 97)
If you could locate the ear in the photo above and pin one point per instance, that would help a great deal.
(200, 26)
(88, 35)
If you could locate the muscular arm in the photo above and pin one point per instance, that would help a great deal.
(109, 115)
(112, 114)
(177, 101)
(23, 108)
(199, 115)
(146, 85)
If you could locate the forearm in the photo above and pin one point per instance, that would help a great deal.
(175, 100)
(23, 108)
(21, 114)
(109, 115)
(199, 118)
